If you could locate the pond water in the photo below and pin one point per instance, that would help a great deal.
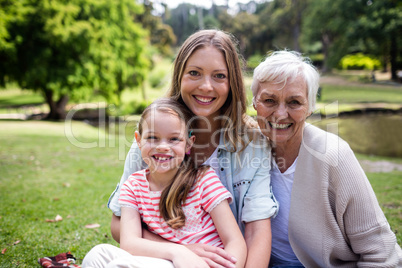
(371, 134)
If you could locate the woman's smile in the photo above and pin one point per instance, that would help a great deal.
(205, 82)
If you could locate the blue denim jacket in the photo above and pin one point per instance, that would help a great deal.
(245, 174)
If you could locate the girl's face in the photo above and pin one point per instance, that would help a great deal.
(205, 82)
(282, 110)
(163, 142)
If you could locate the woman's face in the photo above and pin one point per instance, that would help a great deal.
(282, 111)
(205, 82)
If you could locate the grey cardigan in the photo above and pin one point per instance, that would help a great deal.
(335, 219)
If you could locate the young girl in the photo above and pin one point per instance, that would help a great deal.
(174, 199)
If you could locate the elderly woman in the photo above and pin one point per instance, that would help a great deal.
(328, 213)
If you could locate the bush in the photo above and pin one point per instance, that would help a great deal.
(134, 107)
(158, 77)
(359, 61)
(254, 60)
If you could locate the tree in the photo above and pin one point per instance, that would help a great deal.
(379, 30)
(184, 21)
(162, 36)
(71, 49)
(332, 23)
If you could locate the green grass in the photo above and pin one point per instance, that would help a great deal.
(363, 94)
(45, 172)
(388, 189)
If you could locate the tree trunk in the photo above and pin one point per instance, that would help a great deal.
(57, 108)
(325, 40)
(393, 54)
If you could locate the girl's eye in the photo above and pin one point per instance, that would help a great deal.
(151, 138)
(175, 139)
(221, 76)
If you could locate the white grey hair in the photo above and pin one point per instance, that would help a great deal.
(283, 66)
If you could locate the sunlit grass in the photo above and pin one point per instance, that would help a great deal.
(44, 174)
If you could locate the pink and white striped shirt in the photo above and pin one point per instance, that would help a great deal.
(207, 192)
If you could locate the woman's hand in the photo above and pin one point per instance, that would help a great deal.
(215, 257)
(185, 258)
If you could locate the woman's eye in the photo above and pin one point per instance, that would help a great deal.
(193, 73)
(221, 76)
(294, 102)
(269, 100)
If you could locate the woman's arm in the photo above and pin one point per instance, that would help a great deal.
(229, 232)
(259, 240)
(215, 257)
(131, 241)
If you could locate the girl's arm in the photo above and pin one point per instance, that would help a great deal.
(132, 242)
(259, 241)
(229, 232)
(215, 257)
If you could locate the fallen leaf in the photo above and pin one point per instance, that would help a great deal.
(66, 184)
(93, 225)
(4, 250)
(17, 242)
(58, 218)
(56, 199)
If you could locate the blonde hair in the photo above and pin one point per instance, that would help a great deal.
(175, 194)
(234, 109)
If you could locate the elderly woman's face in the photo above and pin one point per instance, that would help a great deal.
(282, 111)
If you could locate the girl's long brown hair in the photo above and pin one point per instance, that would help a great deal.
(175, 194)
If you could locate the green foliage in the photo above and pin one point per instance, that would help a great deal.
(159, 76)
(254, 60)
(184, 21)
(359, 61)
(73, 48)
(161, 35)
(133, 107)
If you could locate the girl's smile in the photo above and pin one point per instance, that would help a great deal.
(163, 144)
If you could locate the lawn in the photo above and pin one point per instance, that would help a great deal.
(46, 172)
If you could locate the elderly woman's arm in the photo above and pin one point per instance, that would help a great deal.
(366, 226)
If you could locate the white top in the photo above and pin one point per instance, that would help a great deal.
(282, 253)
